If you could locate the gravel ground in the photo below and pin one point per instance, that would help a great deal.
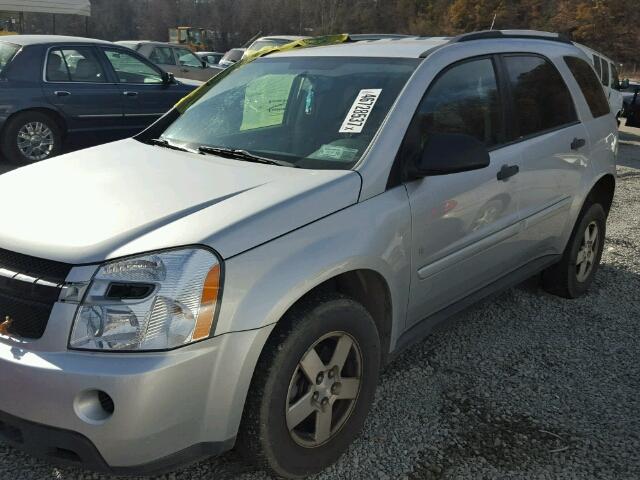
(525, 385)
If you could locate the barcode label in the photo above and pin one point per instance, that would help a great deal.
(360, 111)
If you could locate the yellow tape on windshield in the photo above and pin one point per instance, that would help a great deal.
(199, 92)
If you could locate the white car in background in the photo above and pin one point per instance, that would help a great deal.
(275, 41)
(608, 74)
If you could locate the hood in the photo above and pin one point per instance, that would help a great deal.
(127, 197)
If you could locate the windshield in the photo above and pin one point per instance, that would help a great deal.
(7, 52)
(313, 112)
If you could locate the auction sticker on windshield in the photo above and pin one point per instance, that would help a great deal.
(360, 111)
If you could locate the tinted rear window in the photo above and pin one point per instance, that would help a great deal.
(541, 99)
(590, 86)
(7, 52)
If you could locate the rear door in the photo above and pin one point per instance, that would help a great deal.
(76, 83)
(163, 57)
(596, 113)
(143, 94)
(554, 147)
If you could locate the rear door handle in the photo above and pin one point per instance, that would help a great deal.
(507, 171)
(578, 143)
(130, 94)
(61, 93)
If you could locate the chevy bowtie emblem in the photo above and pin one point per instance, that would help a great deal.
(5, 324)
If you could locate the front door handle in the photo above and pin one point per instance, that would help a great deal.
(578, 143)
(61, 93)
(507, 171)
(130, 94)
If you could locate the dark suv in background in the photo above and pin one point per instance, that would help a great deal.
(56, 91)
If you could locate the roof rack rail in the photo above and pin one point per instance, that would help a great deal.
(528, 34)
(504, 34)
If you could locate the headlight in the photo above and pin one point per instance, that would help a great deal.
(156, 301)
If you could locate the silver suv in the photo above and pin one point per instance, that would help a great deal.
(239, 273)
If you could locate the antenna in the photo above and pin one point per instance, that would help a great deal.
(493, 22)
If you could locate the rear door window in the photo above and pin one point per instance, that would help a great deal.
(589, 85)
(74, 65)
(541, 99)
(162, 56)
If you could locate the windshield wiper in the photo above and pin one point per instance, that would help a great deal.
(238, 154)
(161, 142)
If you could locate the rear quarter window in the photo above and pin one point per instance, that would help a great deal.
(589, 85)
(7, 52)
(605, 73)
(597, 65)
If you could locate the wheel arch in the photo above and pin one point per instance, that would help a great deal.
(370, 289)
(51, 112)
(602, 192)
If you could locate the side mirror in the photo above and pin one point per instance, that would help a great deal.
(446, 153)
(624, 84)
(168, 78)
(205, 64)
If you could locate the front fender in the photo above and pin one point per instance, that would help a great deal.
(263, 283)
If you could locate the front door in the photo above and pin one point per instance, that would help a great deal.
(464, 224)
(75, 82)
(143, 93)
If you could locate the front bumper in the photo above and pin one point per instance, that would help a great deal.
(169, 407)
(65, 447)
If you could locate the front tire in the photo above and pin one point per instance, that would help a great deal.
(572, 276)
(312, 388)
(30, 137)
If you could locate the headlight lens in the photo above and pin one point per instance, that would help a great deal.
(157, 301)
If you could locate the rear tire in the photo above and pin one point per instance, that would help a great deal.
(295, 425)
(572, 276)
(30, 137)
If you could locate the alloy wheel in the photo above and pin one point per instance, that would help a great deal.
(587, 252)
(35, 141)
(324, 389)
